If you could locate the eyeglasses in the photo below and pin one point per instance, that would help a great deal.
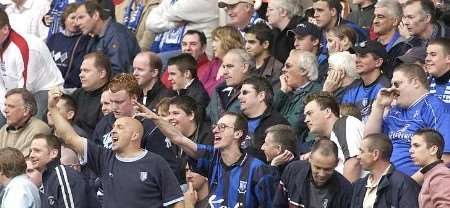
(221, 126)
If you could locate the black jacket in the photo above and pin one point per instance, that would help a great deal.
(295, 184)
(89, 109)
(283, 41)
(269, 118)
(196, 91)
(155, 94)
(62, 187)
(394, 190)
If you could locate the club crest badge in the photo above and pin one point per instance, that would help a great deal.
(143, 176)
(242, 187)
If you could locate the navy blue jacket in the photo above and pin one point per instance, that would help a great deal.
(118, 44)
(394, 190)
(294, 188)
(60, 194)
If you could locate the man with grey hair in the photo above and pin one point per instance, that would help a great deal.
(241, 13)
(21, 123)
(299, 74)
(236, 65)
(419, 17)
(341, 73)
(387, 18)
(283, 16)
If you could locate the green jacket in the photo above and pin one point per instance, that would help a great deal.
(291, 106)
(217, 105)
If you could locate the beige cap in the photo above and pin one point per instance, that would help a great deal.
(224, 3)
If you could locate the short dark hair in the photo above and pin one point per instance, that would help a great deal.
(261, 84)
(240, 123)
(325, 147)
(28, 99)
(201, 36)
(154, 60)
(100, 61)
(69, 103)
(4, 19)
(53, 142)
(414, 71)
(431, 138)
(443, 42)
(427, 7)
(12, 162)
(381, 143)
(70, 8)
(324, 100)
(285, 136)
(92, 7)
(333, 4)
(350, 109)
(188, 105)
(184, 62)
(262, 33)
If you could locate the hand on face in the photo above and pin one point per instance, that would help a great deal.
(333, 81)
(386, 97)
(283, 158)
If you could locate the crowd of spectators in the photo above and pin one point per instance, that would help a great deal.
(224, 103)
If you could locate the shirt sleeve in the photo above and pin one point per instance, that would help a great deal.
(170, 188)
(439, 118)
(204, 163)
(265, 186)
(94, 156)
(280, 199)
(355, 129)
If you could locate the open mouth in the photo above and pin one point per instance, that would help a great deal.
(217, 139)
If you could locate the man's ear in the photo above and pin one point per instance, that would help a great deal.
(54, 153)
(70, 115)
(266, 45)
(379, 62)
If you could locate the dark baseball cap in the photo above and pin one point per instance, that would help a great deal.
(307, 28)
(413, 55)
(371, 46)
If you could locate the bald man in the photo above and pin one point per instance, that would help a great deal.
(126, 169)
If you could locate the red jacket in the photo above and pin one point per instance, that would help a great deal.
(435, 190)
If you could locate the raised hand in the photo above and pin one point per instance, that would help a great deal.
(53, 97)
(283, 158)
(143, 111)
(284, 86)
(386, 96)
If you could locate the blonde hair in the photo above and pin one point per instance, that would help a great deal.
(229, 36)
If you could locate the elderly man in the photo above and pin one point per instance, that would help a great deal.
(387, 17)
(21, 123)
(283, 16)
(118, 168)
(408, 100)
(298, 79)
(241, 13)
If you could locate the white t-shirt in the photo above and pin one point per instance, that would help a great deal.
(21, 192)
(354, 134)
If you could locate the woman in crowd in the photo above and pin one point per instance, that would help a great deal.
(69, 47)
